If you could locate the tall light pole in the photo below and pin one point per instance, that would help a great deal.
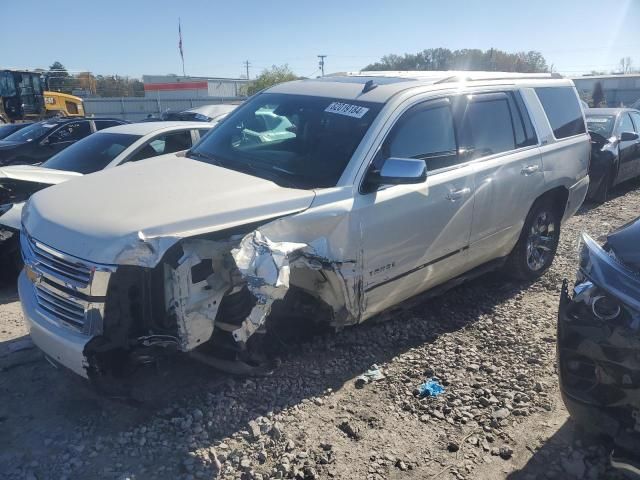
(246, 64)
(321, 63)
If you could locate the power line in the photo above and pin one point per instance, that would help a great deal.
(312, 74)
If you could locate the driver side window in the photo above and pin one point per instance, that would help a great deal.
(625, 124)
(425, 132)
(70, 132)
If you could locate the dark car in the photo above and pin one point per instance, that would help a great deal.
(615, 149)
(9, 128)
(599, 342)
(39, 141)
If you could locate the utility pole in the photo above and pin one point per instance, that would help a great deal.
(321, 63)
(246, 65)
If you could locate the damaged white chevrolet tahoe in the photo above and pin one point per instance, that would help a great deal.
(333, 198)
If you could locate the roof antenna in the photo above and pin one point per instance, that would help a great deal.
(368, 86)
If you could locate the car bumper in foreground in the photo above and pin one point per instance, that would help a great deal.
(599, 348)
(61, 344)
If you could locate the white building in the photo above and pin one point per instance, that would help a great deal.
(176, 87)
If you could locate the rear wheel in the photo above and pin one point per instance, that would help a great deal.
(538, 242)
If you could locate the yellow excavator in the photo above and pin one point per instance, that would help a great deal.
(23, 98)
(63, 105)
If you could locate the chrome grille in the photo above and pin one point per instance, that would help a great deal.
(64, 309)
(49, 261)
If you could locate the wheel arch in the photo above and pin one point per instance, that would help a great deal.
(557, 196)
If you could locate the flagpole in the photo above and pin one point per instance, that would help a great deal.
(180, 46)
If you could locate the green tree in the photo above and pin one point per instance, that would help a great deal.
(269, 77)
(117, 86)
(465, 59)
(58, 78)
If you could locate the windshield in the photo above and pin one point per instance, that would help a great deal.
(601, 124)
(92, 153)
(30, 133)
(293, 140)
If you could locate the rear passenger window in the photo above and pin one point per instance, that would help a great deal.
(563, 110)
(425, 132)
(487, 126)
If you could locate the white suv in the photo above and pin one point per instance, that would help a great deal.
(385, 185)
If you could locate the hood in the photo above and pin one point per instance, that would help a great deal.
(19, 182)
(625, 244)
(139, 210)
(33, 173)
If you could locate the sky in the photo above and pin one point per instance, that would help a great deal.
(136, 37)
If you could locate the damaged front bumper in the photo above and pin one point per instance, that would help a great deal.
(60, 343)
(217, 293)
(599, 346)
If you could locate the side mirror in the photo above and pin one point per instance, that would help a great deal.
(629, 137)
(397, 171)
(46, 141)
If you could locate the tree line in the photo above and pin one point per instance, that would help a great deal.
(465, 59)
(60, 80)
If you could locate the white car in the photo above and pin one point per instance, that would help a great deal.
(104, 149)
(384, 186)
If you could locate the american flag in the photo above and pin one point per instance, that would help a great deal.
(180, 41)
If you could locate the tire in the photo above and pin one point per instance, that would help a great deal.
(538, 243)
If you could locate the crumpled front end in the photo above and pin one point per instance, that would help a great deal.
(209, 295)
(599, 345)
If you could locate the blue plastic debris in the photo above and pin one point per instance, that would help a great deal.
(430, 388)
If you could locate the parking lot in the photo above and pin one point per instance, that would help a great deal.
(490, 342)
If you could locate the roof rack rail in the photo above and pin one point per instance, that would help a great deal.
(439, 76)
(509, 76)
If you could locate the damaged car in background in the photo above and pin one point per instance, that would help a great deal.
(599, 342)
(356, 195)
(107, 148)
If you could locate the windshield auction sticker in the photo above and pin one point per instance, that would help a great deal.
(346, 109)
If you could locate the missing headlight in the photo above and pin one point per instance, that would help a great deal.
(605, 308)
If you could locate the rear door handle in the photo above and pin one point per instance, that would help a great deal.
(454, 195)
(530, 169)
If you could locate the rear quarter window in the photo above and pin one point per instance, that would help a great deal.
(563, 110)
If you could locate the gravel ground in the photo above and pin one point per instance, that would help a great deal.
(491, 343)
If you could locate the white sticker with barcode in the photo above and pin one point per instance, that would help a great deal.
(347, 109)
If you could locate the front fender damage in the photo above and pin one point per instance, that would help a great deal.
(266, 267)
(224, 285)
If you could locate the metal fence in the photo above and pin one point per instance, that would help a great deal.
(139, 108)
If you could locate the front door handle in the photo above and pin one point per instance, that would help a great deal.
(455, 195)
(530, 169)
